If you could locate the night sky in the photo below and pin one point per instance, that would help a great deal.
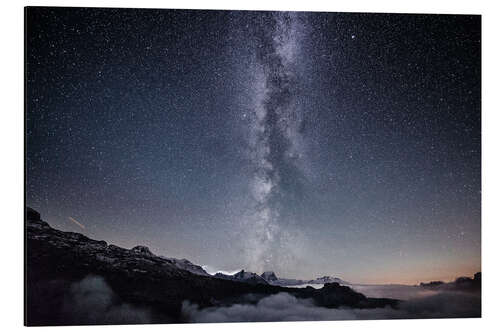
(305, 143)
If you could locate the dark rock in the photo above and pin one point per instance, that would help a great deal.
(187, 265)
(32, 214)
(269, 276)
(431, 284)
(142, 250)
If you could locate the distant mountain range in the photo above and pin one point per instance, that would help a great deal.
(243, 276)
(268, 277)
(271, 278)
(463, 283)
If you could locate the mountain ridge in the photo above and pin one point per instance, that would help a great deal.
(273, 279)
(56, 261)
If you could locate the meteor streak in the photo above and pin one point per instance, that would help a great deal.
(76, 222)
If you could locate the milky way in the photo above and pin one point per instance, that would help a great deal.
(305, 143)
(275, 129)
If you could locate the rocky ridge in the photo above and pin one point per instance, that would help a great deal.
(56, 260)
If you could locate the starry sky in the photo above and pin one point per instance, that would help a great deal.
(305, 143)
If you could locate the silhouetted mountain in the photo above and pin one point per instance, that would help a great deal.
(187, 265)
(243, 276)
(460, 284)
(273, 279)
(432, 284)
(327, 279)
(32, 214)
(269, 276)
(57, 262)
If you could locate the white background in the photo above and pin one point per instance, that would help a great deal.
(12, 163)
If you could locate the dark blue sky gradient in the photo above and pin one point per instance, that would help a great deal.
(304, 143)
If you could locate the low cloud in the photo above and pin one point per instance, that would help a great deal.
(92, 301)
(285, 307)
(444, 305)
(402, 292)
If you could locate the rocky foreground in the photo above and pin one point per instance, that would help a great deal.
(57, 260)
